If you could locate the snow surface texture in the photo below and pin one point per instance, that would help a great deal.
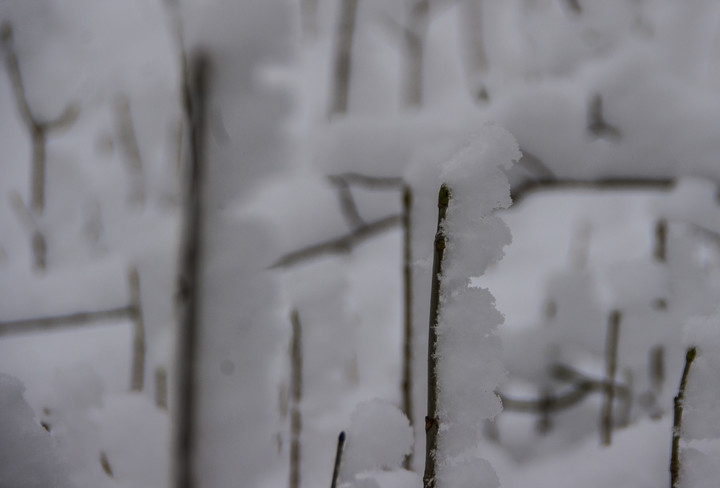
(468, 349)
(378, 439)
(28, 454)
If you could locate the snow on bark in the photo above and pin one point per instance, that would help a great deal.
(469, 352)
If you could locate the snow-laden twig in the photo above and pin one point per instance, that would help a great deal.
(677, 419)
(432, 422)
(611, 347)
(296, 363)
(37, 130)
(338, 460)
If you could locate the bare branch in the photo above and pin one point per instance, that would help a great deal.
(581, 387)
(347, 202)
(59, 322)
(611, 346)
(342, 62)
(161, 392)
(129, 146)
(371, 182)
(527, 187)
(341, 245)
(296, 387)
(37, 130)
(596, 124)
(137, 372)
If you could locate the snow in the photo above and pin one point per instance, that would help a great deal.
(576, 255)
(378, 438)
(28, 454)
(469, 365)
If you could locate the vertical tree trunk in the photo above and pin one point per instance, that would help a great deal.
(189, 277)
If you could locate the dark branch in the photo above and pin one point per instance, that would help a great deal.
(371, 182)
(341, 245)
(347, 202)
(524, 189)
(58, 322)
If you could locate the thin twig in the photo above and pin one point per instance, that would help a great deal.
(371, 182)
(161, 388)
(568, 398)
(129, 146)
(660, 247)
(340, 245)
(347, 202)
(611, 345)
(342, 59)
(37, 130)
(137, 372)
(106, 465)
(596, 124)
(296, 391)
(59, 322)
(338, 460)
(189, 276)
(414, 52)
(677, 419)
(431, 420)
(407, 385)
(527, 187)
(38, 243)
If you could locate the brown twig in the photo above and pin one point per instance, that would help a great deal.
(129, 146)
(677, 419)
(431, 420)
(611, 345)
(525, 188)
(137, 372)
(342, 59)
(37, 130)
(347, 202)
(596, 124)
(37, 239)
(161, 392)
(660, 247)
(296, 391)
(59, 322)
(340, 245)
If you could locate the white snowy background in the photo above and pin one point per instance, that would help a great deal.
(614, 105)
